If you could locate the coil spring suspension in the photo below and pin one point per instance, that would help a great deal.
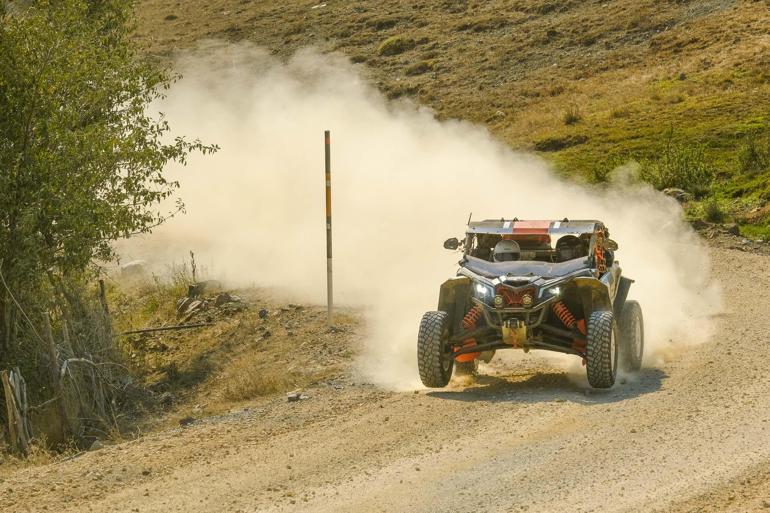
(472, 317)
(469, 322)
(564, 315)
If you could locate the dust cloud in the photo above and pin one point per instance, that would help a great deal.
(402, 182)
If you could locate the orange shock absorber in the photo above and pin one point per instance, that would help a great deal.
(469, 322)
(564, 315)
(472, 317)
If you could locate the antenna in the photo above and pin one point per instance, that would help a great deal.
(469, 218)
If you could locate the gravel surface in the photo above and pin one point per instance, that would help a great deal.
(690, 435)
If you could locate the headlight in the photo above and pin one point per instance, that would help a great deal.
(550, 292)
(483, 291)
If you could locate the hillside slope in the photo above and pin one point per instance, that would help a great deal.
(589, 84)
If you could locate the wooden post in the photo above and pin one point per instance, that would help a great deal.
(15, 397)
(103, 297)
(10, 408)
(329, 294)
(193, 267)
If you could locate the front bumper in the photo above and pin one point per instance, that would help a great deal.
(516, 327)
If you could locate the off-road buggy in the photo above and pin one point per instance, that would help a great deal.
(552, 285)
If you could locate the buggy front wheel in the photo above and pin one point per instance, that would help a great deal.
(602, 349)
(434, 356)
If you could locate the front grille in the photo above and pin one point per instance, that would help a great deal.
(513, 296)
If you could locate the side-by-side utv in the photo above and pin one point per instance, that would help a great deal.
(552, 285)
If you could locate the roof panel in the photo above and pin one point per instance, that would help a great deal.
(516, 226)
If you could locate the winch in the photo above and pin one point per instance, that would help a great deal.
(514, 333)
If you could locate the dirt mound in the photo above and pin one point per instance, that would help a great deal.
(244, 345)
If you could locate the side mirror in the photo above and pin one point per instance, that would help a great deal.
(452, 243)
(610, 245)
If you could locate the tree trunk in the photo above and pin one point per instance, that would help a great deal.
(56, 383)
(4, 327)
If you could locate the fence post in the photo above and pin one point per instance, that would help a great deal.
(15, 397)
(328, 173)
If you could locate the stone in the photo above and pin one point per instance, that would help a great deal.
(224, 298)
(199, 288)
(296, 396)
(263, 313)
(182, 305)
(96, 445)
(192, 307)
(186, 421)
(166, 399)
(678, 194)
(699, 224)
(133, 268)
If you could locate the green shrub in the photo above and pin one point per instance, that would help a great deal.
(753, 155)
(756, 232)
(395, 45)
(679, 165)
(572, 115)
(712, 212)
(620, 112)
(602, 172)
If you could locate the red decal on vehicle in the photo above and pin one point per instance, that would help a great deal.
(531, 227)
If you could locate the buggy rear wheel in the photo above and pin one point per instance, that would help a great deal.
(434, 356)
(602, 349)
(631, 336)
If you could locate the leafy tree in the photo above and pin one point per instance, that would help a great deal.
(81, 158)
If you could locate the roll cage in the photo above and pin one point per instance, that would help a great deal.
(545, 241)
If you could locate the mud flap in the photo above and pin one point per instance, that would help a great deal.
(593, 295)
(453, 299)
(622, 294)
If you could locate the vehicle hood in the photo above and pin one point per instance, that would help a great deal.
(546, 270)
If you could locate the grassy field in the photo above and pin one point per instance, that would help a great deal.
(681, 87)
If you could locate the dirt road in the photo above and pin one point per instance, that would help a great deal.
(690, 435)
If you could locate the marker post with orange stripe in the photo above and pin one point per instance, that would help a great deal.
(329, 295)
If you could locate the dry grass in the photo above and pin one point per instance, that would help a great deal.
(242, 357)
(572, 115)
(395, 45)
(39, 454)
(148, 299)
(522, 57)
(248, 378)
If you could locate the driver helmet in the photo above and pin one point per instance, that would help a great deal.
(506, 250)
(569, 247)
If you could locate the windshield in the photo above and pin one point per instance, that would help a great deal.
(524, 268)
(532, 247)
